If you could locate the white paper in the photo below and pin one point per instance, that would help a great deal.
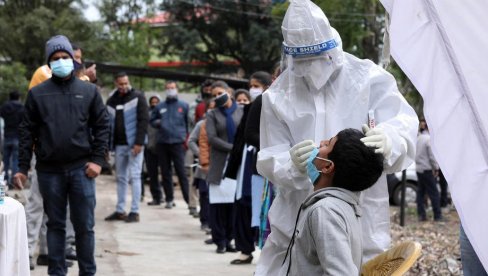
(223, 193)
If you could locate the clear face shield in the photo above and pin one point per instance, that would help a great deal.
(315, 63)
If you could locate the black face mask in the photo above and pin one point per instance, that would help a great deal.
(77, 65)
(206, 96)
(221, 100)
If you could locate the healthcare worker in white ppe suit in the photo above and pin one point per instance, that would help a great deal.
(322, 91)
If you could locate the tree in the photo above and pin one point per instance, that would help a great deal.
(26, 25)
(215, 31)
(124, 38)
(12, 77)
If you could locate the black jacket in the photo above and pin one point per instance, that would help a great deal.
(252, 128)
(133, 117)
(66, 123)
(235, 156)
(247, 133)
(12, 112)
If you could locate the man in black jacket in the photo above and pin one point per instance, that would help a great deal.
(11, 112)
(129, 118)
(66, 124)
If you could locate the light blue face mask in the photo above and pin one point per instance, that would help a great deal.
(312, 171)
(62, 67)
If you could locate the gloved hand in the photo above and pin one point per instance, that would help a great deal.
(376, 137)
(300, 152)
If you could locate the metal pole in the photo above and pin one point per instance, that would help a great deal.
(402, 204)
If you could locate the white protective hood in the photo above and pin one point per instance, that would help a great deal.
(294, 111)
(311, 47)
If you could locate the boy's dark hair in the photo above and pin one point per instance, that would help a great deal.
(357, 167)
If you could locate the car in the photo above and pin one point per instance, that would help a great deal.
(395, 186)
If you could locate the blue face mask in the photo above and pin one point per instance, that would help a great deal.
(312, 171)
(62, 67)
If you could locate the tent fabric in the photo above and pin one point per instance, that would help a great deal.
(441, 46)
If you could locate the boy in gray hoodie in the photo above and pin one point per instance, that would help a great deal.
(327, 236)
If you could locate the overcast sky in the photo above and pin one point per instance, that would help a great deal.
(91, 13)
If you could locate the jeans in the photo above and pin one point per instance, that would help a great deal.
(471, 263)
(427, 183)
(36, 220)
(56, 189)
(10, 153)
(128, 166)
(176, 154)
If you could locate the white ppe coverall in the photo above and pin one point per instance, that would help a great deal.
(322, 91)
(291, 116)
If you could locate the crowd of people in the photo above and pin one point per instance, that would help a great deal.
(311, 142)
(157, 132)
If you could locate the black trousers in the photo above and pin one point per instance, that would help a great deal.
(244, 233)
(221, 222)
(427, 184)
(443, 185)
(173, 153)
(151, 159)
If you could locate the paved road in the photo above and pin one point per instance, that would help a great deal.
(164, 242)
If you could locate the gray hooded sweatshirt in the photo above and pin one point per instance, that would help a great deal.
(327, 237)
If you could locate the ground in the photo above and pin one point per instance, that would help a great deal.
(164, 242)
(169, 242)
(439, 240)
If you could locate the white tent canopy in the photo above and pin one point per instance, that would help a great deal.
(441, 46)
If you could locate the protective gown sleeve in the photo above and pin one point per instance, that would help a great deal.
(274, 160)
(396, 117)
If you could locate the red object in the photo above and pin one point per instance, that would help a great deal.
(180, 109)
(200, 111)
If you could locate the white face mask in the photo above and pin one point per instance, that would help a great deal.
(316, 71)
(255, 92)
(171, 93)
